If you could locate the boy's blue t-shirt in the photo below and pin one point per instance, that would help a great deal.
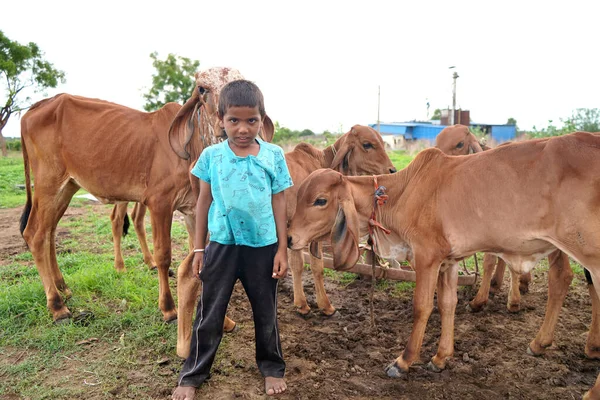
(241, 212)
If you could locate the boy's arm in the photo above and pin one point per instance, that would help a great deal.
(202, 206)
(280, 263)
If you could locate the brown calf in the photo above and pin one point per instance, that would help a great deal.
(361, 151)
(441, 210)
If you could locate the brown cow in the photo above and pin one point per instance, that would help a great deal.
(361, 151)
(457, 140)
(441, 210)
(118, 155)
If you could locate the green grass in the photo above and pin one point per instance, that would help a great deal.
(400, 158)
(11, 175)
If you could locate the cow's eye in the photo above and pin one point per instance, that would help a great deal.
(460, 145)
(320, 202)
(367, 146)
(201, 90)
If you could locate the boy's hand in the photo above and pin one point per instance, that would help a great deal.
(280, 264)
(197, 264)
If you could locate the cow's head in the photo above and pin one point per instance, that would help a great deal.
(457, 140)
(361, 152)
(325, 208)
(196, 125)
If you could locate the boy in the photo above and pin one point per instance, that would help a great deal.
(242, 205)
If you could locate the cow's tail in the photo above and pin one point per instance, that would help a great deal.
(126, 225)
(588, 277)
(27, 209)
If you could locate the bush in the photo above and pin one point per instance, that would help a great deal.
(13, 144)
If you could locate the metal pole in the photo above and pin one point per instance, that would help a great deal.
(452, 119)
(378, 102)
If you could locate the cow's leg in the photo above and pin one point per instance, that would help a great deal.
(316, 267)
(190, 226)
(426, 278)
(593, 393)
(40, 235)
(560, 276)
(498, 278)
(137, 216)
(513, 303)
(188, 290)
(117, 219)
(481, 298)
(297, 266)
(447, 298)
(524, 281)
(161, 218)
(592, 346)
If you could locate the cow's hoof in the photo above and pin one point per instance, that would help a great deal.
(172, 273)
(304, 313)
(534, 354)
(473, 308)
(393, 371)
(234, 329)
(63, 321)
(331, 315)
(513, 308)
(592, 353)
(432, 367)
(171, 320)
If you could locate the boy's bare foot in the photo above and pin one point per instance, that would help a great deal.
(274, 385)
(184, 393)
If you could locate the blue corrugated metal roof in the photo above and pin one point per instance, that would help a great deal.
(418, 130)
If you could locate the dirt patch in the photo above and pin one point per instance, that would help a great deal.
(341, 357)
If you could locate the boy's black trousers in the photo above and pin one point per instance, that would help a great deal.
(223, 266)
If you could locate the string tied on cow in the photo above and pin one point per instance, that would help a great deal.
(379, 199)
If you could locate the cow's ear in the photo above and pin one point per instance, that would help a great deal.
(340, 162)
(184, 125)
(314, 249)
(344, 237)
(268, 129)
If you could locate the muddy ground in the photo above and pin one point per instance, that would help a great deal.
(342, 358)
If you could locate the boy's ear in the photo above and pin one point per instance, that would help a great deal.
(221, 125)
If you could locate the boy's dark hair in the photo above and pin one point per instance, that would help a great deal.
(241, 93)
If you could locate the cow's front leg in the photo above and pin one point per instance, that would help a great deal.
(447, 298)
(592, 345)
(161, 234)
(316, 267)
(560, 276)
(427, 272)
(297, 266)
(498, 278)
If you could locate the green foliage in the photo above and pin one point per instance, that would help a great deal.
(400, 158)
(437, 114)
(511, 121)
(287, 136)
(23, 67)
(582, 119)
(13, 144)
(173, 81)
(11, 175)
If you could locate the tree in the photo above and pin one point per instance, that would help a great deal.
(511, 121)
(437, 114)
(585, 119)
(172, 82)
(23, 67)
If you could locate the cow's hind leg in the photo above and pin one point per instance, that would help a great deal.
(592, 346)
(481, 298)
(316, 267)
(297, 266)
(49, 204)
(513, 303)
(560, 276)
(447, 298)
(594, 392)
(161, 233)
(117, 219)
(498, 278)
(137, 215)
(524, 281)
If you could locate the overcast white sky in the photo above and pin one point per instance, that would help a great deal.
(319, 63)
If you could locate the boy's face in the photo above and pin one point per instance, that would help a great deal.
(242, 125)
